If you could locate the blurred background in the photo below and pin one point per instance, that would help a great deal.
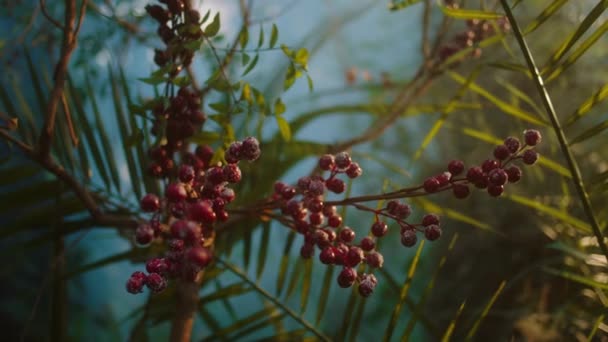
(521, 267)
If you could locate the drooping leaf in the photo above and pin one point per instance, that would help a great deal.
(213, 28)
(274, 36)
(460, 13)
(447, 336)
(263, 251)
(587, 105)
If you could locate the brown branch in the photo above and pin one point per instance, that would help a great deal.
(68, 117)
(60, 75)
(426, 19)
(186, 304)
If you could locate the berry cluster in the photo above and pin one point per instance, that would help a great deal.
(492, 174)
(178, 27)
(192, 204)
(477, 30)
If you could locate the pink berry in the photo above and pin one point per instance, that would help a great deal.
(430, 219)
(150, 203)
(512, 144)
(460, 191)
(250, 149)
(532, 137)
(514, 174)
(501, 152)
(530, 157)
(144, 234)
(135, 283)
(335, 185)
(347, 235)
(495, 190)
(367, 244)
(233, 153)
(176, 192)
(498, 177)
(232, 173)
(200, 256)
(342, 160)
(379, 228)
(328, 255)
(326, 162)
(409, 238)
(431, 185)
(156, 282)
(316, 188)
(432, 232)
(347, 277)
(354, 170)
(374, 259)
(456, 167)
(367, 285)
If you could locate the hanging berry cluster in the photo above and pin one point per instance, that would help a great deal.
(191, 206)
(318, 221)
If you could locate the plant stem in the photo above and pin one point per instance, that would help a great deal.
(186, 304)
(561, 137)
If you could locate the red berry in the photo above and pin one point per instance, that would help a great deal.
(367, 244)
(501, 152)
(200, 256)
(379, 228)
(329, 210)
(532, 137)
(180, 229)
(444, 178)
(334, 221)
(431, 185)
(495, 190)
(497, 177)
(342, 160)
(347, 277)
(202, 211)
(250, 149)
(315, 205)
(328, 255)
(475, 174)
(489, 165)
(430, 219)
(512, 144)
(156, 282)
(514, 174)
(432, 232)
(354, 256)
(316, 188)
(326, 162)
(232, 173)
(331, 234)
(135, 283)
(233, 153)
(374, 259)
(228, 195)
(215, 175)
(402, 211)
(186, 173)
(303, 183)
(176, 245)
(150, 203)
(204, 152)
(367, 285)
(279, 186)
(156, 265)
(176, 192)
(409, 238)
(460, 191)
(335, 185)
(144, 234)
(456, 167)
(321, 238)
(347, 235)
(354, 170)
(316, 219)
(530, 157)
(392, 206)
(307, 250)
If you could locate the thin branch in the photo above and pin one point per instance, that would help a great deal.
(426, 19)
(60, 74)
(48, 16)
(68, 118)
(577, 179)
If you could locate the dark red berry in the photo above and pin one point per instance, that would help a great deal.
(158, 13)
(303, 183)
(354, 170)
(316, 219)
(402, 211)
(354, 256)
(489, 165)
(456, 167)
(176, 245)
(150, 203)
(326, 162)
(144, 234)
(186, 173)
(512, 144)
(460, 191)
(392, 206)
(279, 186)
(315, 205)
(374, 259)
(367, 285)
(200, 256)
(156, 265)
(501, 152)
(495, 190)
(307, 250)
(215, 175)
(202, 211)
(430, 219)
(180, 229)
(335, 185)
(135, 283)
(432, 232)
(232, 173)
(444, 178)
(250, 149)
(204, 152)
(176, 192)
(327, 255)
(497, 177)
(530, 157)
(156, 282)
(321, 238)
(379, 228)
(347, 235)
(347, 277)
(227, 194)
(431, 185)
(233, 153)
(514, 174)
(532, 137)
(409, 238)
(334, 221)
(475, 174)
(367, 244)
(316, 188)
(342, 160)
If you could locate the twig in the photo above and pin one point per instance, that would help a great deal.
(426, 18)
(68, 117)
(60, 74)
(48, 16)
(577, 179)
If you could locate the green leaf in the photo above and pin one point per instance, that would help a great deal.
(577, 278)
(251, 65)
(245, 59)
(213, 28)
(263, 251)
(154, 80)
(397, 5)
(244, 37)
(261, 37)
(586, 106)
(274, 36)
(228, 291)
(328, 281)
(305, 291)
(485, 311)
(206, 16)
(552, 212)
(455, 215)
(284, 262)
(301, 57)
(290, 77)
(450, 329)
(284, 128)
(544, 15)
(459, 13)
(388, 333)
(590, 133)
(310, 84)
(279, 107)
